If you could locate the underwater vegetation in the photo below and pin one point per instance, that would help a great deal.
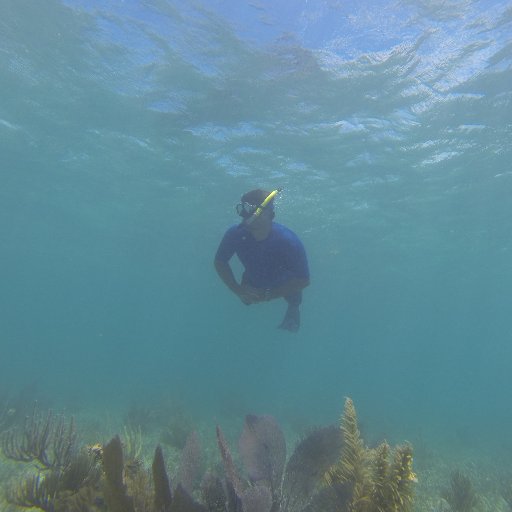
(177, 430)
(461, 495)
(139, 417)
(266, 482)
(379, 479)
(170, 417)
(330, 469)
(49, 441)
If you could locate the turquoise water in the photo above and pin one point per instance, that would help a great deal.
(128, 132)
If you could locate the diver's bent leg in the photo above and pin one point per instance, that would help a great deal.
(291, 320)
(294, 299)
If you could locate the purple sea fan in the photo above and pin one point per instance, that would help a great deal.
(229, 466)
(263, 451)
(190, 464)
(271, 486)
(312, 457)
(257, 499)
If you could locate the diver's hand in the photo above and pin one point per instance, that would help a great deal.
(249, 295)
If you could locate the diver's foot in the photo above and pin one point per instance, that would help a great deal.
(291, 321)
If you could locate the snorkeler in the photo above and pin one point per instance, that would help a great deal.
(274, 259)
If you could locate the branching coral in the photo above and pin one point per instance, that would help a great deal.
(381, 480)
(106, 479)
(95, 478)
(69, 489)
(49, 441)
(353, 468)
(35, 491)
(141, 491)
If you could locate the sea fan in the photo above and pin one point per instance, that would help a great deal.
(270, 484)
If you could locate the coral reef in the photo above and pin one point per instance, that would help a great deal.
(271, 484)
(163, 495)
(112, 477)
(49, 441)
(73, 488)
(115, 492)
(380, 479)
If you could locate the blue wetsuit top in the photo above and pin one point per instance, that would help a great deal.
(270, 262)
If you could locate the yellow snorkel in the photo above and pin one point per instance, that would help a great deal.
(259, 210)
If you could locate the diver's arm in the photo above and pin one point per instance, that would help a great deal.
(290, 287)
(226, 274)
(246, 294)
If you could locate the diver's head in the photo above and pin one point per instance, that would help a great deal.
(253, 200)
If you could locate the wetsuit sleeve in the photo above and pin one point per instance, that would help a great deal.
(227, 246)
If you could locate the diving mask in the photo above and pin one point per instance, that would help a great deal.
(245, 210)
(250, 211)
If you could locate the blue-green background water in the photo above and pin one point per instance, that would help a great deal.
(128, 132)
